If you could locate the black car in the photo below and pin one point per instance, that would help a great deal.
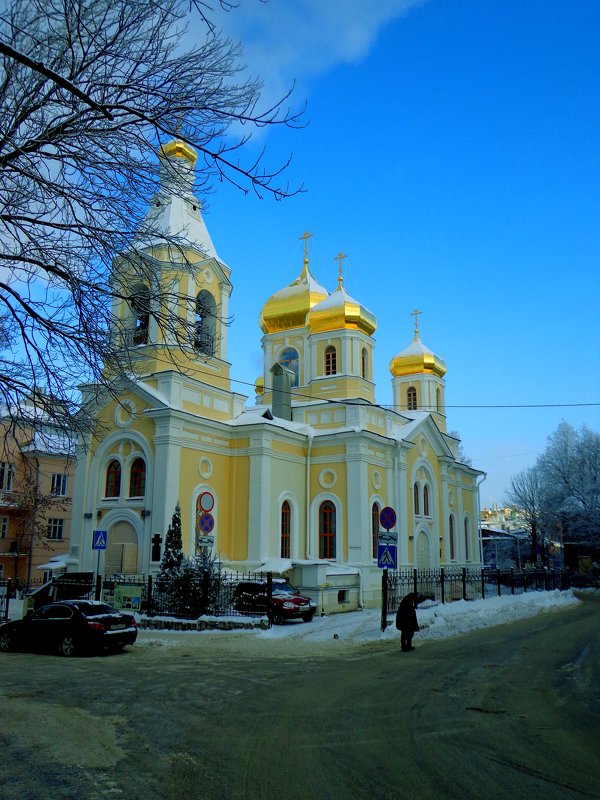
(70, 628)
(286, 602)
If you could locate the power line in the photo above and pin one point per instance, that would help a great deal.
(400, 409)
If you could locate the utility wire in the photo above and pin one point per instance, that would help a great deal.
(392, 407)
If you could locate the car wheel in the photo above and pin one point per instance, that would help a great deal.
(67, 646)
(278, 618)
(307, 617)
(5, 642)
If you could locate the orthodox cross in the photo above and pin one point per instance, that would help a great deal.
(415, 314)
(156, 542)
(306, 236)
(340, 258)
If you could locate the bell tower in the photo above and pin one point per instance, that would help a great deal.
(173, 309)
(418, 379)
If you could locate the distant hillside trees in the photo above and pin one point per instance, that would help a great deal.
(559, 497)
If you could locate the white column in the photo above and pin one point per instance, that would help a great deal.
(357, 505)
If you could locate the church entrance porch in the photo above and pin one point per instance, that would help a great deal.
(122, 550)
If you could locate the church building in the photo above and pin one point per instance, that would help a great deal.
(294, 482)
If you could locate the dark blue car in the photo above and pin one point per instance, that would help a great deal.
(70, 628)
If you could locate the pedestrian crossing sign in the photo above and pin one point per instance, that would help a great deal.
(387, 556)
(99, 540)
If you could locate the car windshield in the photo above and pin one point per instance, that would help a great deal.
(283, 588)
(95, 609)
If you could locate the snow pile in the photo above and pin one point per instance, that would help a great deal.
(436, 621)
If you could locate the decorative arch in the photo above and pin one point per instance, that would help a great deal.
(422, 477)
(364, 363)
(137, 478)
(452, 537)
(124, 549)
(112, 484)
(290, 358)
(205, 331)
(423, 549)
(110, 449)
(287, 497)
(335, 544)
(426, 509)
(285, 530)
(140, 309)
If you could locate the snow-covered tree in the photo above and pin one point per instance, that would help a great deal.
(170, 565)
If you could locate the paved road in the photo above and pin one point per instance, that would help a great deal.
(512, 711)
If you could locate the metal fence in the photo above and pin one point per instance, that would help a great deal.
(189, 595)
(446, 585)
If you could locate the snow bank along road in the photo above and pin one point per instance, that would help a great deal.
(511, 710)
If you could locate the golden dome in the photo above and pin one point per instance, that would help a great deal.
(339, 310)
(417, 359)
(178, 149)
(288, 307)
(259, 385)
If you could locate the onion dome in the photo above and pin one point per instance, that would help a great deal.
(178, 149)
(288, 307)
(417, 359)
(339, 310)
(259, 385)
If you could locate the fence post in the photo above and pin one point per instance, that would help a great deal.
(443, 585)
(8, 588)
(483, 584)
(512, 580)
(205, 590)
(498, 582)
(384, 598)
(269, 597)
(415, 581)
(149, 596)
(464, 583)
(98, 590)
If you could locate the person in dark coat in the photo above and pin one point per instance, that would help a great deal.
(406, 621)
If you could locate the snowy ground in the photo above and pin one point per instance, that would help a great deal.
(436, 621)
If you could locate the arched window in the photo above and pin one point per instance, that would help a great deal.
(411, 399)
(426, 501)
(140, 305)
(364, 363)
(113, 479)
(290, 360)
(327, 530)
(438, 401)
(452, 544)
(416, 498)
(205, 333)
(467, 540)
(286, 527)
(375, 527)
(330, 360)
(137, 478)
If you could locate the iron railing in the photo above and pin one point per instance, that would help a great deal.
(446, 585)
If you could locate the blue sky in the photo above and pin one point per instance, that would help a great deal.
(452, 150)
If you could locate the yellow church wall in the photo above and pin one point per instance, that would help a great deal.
(233, 543)
(328, 451)
(284, 447)
(379, 486)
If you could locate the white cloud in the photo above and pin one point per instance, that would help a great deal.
(293, 40)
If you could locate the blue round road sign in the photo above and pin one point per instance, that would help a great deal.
(387, 517)
(206, 523)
